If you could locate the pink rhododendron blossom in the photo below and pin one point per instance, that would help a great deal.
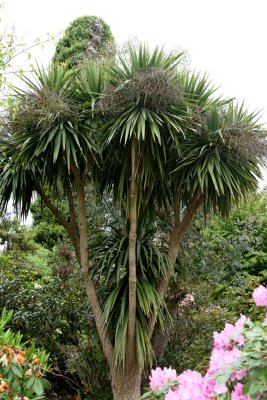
(230, 334)
(171, 395)
(238, 375)
(213, 386)
(237, 393)
(220, 388)
(160, 377)
(260, 296)
(220, 359)
(192, 386)
(240, 322)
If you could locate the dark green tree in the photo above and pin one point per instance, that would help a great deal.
(87, 38)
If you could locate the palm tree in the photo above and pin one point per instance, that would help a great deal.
(145, 107)
(157, 137)
(171, 148)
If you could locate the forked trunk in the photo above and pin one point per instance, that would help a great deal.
(126, 385)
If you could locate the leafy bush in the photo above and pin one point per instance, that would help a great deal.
(16, 236)
(51, 309)
(22, 368)
(30, 268)
(48, 234)
(45, 230)
(86, 38)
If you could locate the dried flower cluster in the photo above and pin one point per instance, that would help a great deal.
(245, 141)
(38, 108)
(155, 89)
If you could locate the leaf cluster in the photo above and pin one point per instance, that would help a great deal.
(110, 270)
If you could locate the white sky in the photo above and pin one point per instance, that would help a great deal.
(226, 38)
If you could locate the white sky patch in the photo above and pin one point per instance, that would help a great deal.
(226, 38)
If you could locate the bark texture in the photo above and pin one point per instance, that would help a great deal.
(126, 384)
(131, 356)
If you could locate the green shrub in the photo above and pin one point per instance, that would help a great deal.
(56, 316)
(22, 368)
(48, 234)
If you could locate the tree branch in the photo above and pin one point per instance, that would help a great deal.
(59, 217)
(84, 262)
(31, 47)
(87, 165)
(179, 228)
(73, 223)
(70, 203)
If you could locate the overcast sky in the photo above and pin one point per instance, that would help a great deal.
(226, 38)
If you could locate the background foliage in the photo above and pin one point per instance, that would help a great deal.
(223, 261)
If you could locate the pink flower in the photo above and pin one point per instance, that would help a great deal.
(192, 386)
(238, 375)
(172, 395)
(260, 296)
(230, 335)
(220, 388)
(237, 393)
(221, 359)
(160, 377)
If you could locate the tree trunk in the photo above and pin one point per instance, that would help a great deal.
(132, 255)
(126, 384)
(84, 253)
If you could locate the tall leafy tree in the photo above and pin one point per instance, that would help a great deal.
(164, 144)
(87, 38)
